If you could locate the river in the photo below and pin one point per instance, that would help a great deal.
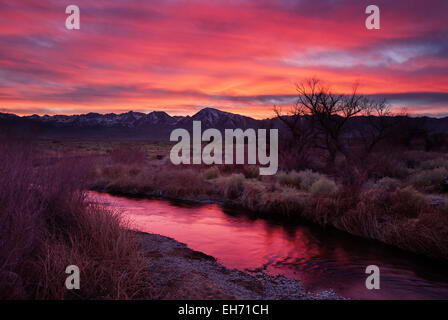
(320, 258)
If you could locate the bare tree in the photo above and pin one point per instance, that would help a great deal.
(302, 134)
(380, 124)
(320, 120)
(331, 113)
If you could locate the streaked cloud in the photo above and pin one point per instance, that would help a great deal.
(239, 55)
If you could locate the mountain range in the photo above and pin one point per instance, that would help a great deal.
(156, 125)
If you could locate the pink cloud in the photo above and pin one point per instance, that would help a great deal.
(176, 55)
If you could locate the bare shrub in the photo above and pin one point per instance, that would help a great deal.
(386, 164)
(324, 186)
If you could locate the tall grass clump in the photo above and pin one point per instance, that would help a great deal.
(231, 186)
(285, 202)
(48, 224)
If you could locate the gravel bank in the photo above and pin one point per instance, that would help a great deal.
(181, 273)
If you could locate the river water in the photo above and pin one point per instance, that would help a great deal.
(321, 259)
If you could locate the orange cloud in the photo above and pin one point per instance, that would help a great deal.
(241, 56)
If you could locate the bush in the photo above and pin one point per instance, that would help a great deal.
(387, 183)
(308, 178)
(211, 173)
(291, 179)
(251, 171)
(429, 178)
(398, 170)
(324, 186)
(434, 164)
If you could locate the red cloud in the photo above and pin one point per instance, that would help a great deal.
(180, 54)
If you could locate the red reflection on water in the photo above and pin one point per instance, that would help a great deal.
(320, 261)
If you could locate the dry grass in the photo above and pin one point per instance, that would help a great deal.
(231, 186)
(390, 210)
(402, 218)
(110, 261)
(47, 224)
(167, 181)
(430, 180)
(211, 173)
(305, 180)
(128, 155)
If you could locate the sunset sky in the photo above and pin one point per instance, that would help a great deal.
(235, 55)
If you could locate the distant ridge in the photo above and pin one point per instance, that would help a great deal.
(156, 125)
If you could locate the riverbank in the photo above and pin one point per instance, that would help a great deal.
(178, 272)
(405, 204)
(399, 217)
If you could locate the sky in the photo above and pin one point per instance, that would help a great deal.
(242, 56)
